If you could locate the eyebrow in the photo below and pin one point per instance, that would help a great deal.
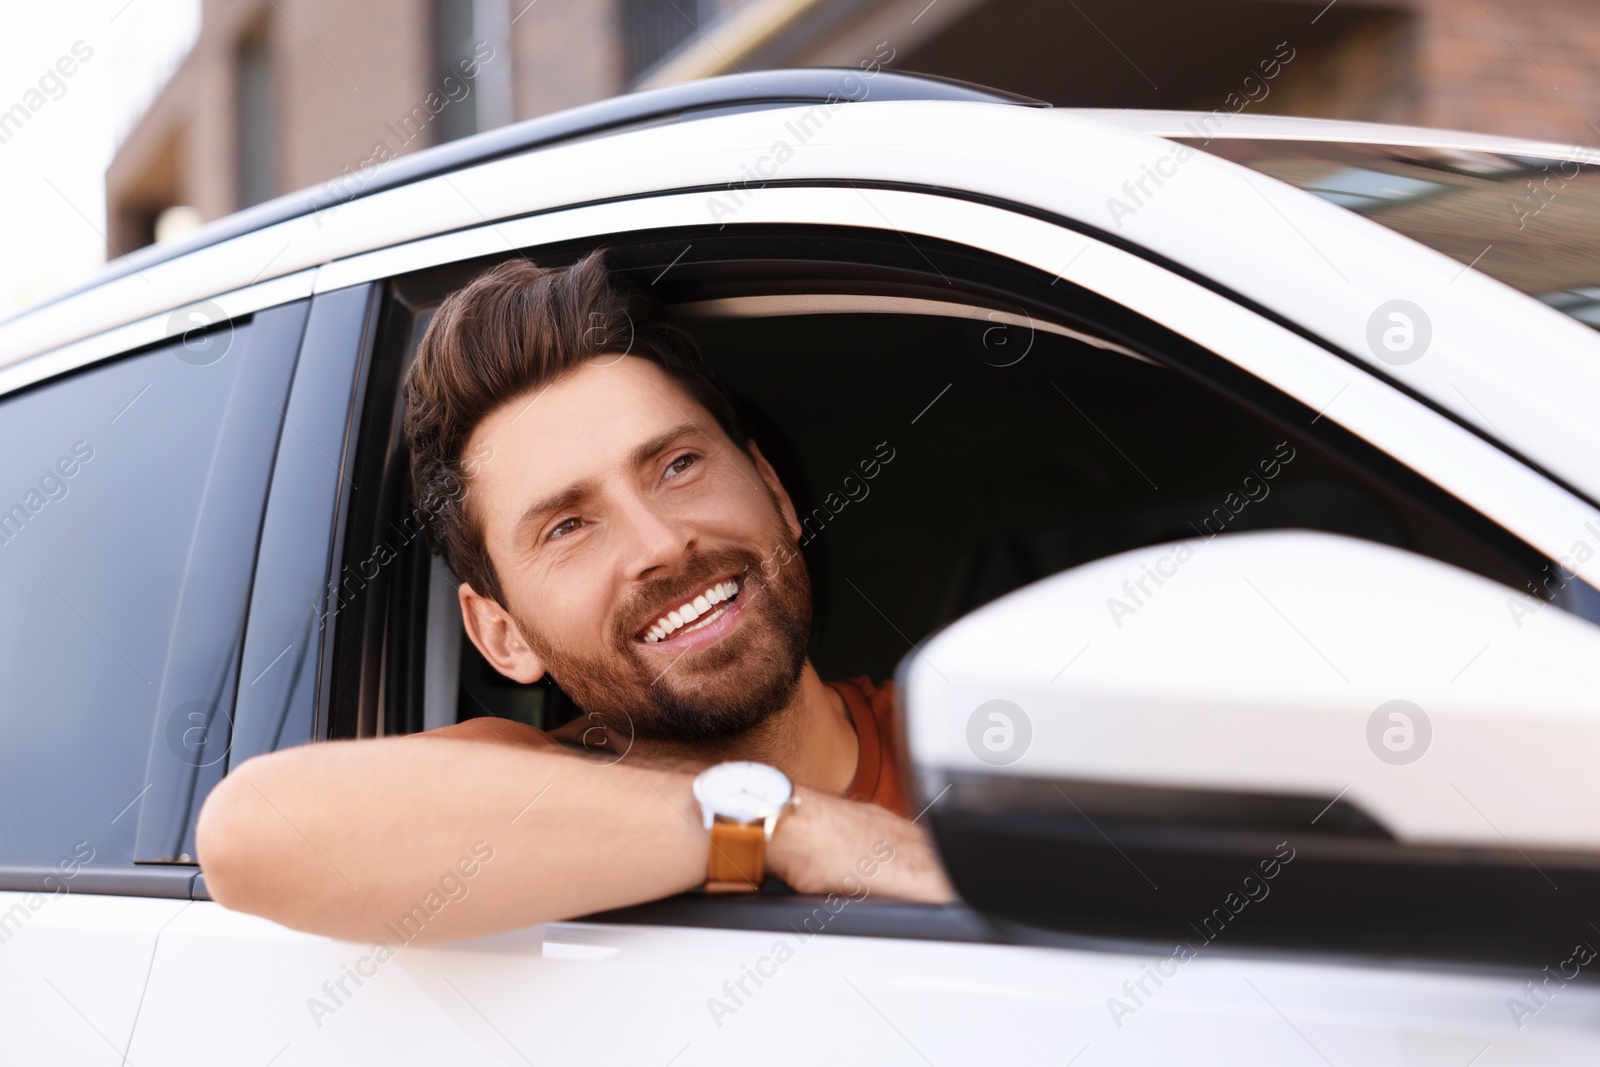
(566, 497)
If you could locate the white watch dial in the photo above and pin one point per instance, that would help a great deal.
(742, 791)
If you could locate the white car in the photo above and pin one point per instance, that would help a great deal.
(1231, 529)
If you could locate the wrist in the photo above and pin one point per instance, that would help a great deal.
(791, 840)
(829, 844)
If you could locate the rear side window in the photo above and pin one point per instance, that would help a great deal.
(130, 503)
(1528, 221)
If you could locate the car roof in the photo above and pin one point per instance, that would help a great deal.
(710, 97)
(768, 89)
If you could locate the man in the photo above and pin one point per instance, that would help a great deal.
(612, 526)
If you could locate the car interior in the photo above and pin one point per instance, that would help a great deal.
(1017, 426)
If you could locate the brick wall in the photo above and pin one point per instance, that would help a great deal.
(350, 71)
(349, 74)
(1520, 67)
(566, 54)
(1368, 72)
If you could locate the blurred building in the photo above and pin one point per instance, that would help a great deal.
(278, 95)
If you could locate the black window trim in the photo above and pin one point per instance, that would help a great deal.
(324, 407)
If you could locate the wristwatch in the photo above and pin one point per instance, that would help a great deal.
(741, 802)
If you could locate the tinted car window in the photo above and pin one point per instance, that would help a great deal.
(1532, 223)
(130, 501)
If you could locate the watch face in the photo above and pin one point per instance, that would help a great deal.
(744, 792)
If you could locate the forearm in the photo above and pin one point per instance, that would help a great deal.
(349, 838)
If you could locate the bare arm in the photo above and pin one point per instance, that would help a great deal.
(351, 838)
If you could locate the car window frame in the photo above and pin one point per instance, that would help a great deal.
(415, 292)
(293, 612)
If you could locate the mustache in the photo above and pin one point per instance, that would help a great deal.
(645, 605)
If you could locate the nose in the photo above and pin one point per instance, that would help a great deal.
(658, 541)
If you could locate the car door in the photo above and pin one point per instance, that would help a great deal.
(795, 979)
(134, 482)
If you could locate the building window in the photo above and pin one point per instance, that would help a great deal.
(472, 66)
(654, 29)
(256, 104)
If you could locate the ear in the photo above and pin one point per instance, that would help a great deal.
(770, 476)
(495, 633)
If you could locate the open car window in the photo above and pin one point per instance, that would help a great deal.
(948, 435)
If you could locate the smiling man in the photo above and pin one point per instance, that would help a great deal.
(614, 527)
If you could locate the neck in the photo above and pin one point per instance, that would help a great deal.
(810, 739)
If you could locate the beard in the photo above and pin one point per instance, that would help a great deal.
(713, 693)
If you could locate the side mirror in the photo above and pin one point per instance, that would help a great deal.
(1280, 737)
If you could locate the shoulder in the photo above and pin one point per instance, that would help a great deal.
(492, 728)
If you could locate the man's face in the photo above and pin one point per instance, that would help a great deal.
(613, 500)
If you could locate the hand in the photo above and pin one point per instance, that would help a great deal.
(827, 844)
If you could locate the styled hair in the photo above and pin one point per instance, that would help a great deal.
(514, 329)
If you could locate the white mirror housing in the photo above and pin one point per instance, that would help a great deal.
(1186, 702)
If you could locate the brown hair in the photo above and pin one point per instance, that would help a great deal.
(510, 330)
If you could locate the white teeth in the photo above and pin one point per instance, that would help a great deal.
(688, 613)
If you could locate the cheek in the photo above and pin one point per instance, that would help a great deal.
(730, 506)
(568, 609)
(760, 512)
(562, 606)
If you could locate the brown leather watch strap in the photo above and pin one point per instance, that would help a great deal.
(738, 857)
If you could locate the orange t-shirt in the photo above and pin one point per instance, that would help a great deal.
(878, 739)
(871, 709)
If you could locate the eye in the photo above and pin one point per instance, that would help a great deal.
(680, 464)
(563, 528)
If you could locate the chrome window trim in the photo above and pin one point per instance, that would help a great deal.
(153, 329)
